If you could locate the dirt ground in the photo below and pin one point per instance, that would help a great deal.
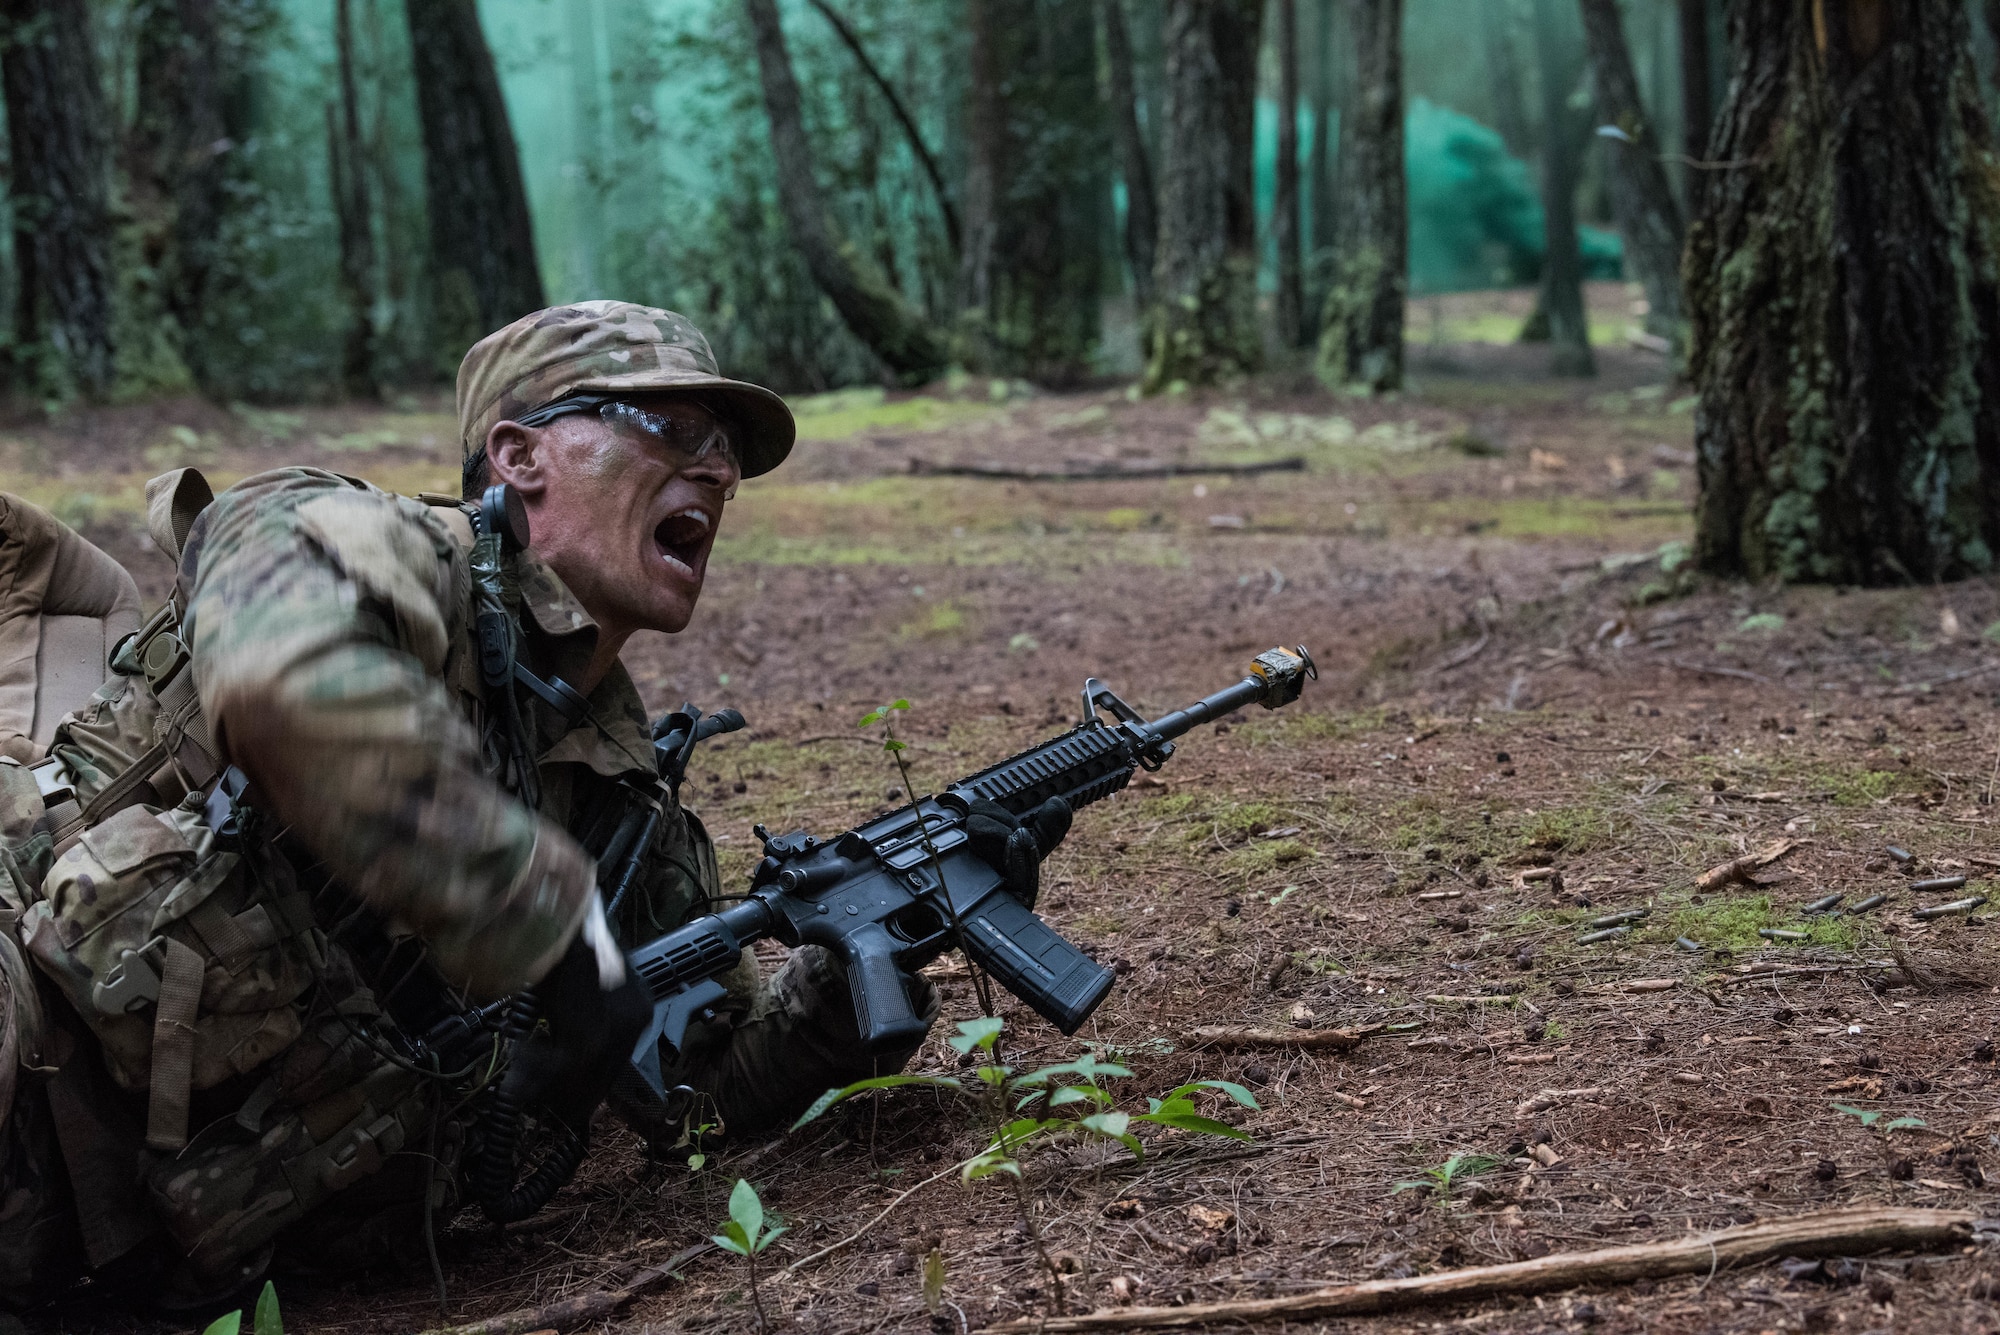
(1531, 715)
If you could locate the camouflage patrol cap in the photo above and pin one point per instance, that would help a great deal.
(609, 347)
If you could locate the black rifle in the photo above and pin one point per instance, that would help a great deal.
(887, 898)
(892, 895)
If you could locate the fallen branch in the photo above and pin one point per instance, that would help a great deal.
(1828, 1233)
(1798, 970)
(1228, 1039)
(1637, 985)
(1550, 1098)
(1739, 869)
(1102, 472)
(581, 1308)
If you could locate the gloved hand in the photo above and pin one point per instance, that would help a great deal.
(592, 1028)
(1015, 846)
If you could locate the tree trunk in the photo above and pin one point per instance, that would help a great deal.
(1122, 97)
(897, 108)
(482, 238)
(1697, 99)
(1559, 310)
(985, 133)
(1238, 28)
(61, 162)
(1326, 100)
(1361, 331)
(1203, 324)
(1641, 195)
(1510, 104)
(1845, 289)
(1285, 202)
(348, 160)
(872, 309)
(189, 66)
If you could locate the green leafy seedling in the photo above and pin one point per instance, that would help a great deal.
(1871, 1118)
(744, 1233)
(264, 1319)
(1439, 1180)
(1067, 1099)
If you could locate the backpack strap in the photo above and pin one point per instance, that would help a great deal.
(173, 1047)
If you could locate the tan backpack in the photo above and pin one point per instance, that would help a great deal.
(63, 605)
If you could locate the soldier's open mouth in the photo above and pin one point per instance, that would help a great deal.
(683, 539)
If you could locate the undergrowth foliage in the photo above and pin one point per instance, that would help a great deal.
(1063, 1103)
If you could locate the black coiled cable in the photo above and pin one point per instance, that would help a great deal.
(493, 1178)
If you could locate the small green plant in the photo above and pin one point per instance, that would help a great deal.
(744, 1233)
(1873, 1119)
(1024, 1111)
(1440, 1180)
(264, 1318)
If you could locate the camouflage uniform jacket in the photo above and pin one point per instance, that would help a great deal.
(333, 650)
(329, 626)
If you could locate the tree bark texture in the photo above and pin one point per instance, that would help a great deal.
(1641, 196)
(1238, 28)
(1361, 329)
(354, 212)
(1697, 98)
(482, 238)
(1327, 102)
(192, 110)
(901, 111)
(862, 294)
(1845, 294)
(61, 163)
(1290, 306)
(1038, 166)
(1560, 317)
(1203, 325)
(1142, 223)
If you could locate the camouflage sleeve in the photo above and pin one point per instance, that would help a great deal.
(321, 617)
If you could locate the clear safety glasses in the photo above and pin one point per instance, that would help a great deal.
(686, 433)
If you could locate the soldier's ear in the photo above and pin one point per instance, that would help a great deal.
(512, 457)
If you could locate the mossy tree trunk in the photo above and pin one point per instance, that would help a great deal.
(1846, 298)
(859, 290)
(57, 131)
(1560, 319)
(1641, 196)
(1203, 324)
(1361, 327)
(482, 239)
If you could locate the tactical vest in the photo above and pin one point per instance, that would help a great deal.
(185, 945)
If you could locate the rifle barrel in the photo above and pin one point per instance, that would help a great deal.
(1225, 701)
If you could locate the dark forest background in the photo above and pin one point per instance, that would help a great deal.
(309, 200)
(251, 176)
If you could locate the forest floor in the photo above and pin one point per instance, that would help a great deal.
(1530, 714)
